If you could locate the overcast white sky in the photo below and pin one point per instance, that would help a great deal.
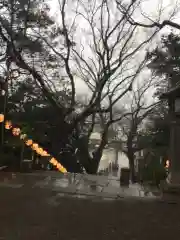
(149, 8)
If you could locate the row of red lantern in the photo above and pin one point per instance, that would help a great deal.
(29, 142)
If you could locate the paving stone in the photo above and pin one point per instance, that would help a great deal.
(75, 219)
(76, 183)
(114, 183)
(113, 178)
(111, 190)
(99, 180)
(70, 189)
(61, 183)
(91, 189)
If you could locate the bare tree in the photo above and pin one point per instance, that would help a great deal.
(140, 107)
(106, 62)
(104, 54)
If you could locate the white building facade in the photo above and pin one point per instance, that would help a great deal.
(111, 155)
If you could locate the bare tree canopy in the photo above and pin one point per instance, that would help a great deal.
(139, 107)
(96, 43)
(153, 23)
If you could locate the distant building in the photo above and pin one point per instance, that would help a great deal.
(112, 154)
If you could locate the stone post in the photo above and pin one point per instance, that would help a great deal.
(175, 152)
(173, 97)
(116, 156)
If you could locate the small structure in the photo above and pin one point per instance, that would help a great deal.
(125, 176)
(26, 166)
(173, 97)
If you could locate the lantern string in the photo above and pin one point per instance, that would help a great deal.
(29, 142)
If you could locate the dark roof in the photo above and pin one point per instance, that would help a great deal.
(173, 92)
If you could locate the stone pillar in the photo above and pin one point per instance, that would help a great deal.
(116, 155)
(175, 153)
(124, 176)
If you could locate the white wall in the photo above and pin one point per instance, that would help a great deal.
(123, 160)
(109, 155)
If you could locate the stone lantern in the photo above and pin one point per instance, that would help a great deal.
(173, 97)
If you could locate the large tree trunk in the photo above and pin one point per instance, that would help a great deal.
(131, 157)
(131, 151)
(90, 164)
(131, 165)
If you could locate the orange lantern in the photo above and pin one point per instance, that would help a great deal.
(62, 169)
(8, 125)
(58, 165)
(29, 142)
(35, 146)
(45, 154)
(53, 161)
(42, 153)
(39, 151)
(16, 131)
(1, 118)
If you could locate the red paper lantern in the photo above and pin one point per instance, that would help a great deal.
(16, 131)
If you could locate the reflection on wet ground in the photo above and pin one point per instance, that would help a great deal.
(78, 185)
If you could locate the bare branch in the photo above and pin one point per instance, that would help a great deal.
(68, 47)
(154, 23)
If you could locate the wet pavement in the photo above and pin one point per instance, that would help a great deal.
(81, 186)
(50, 206)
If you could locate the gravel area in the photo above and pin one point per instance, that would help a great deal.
(29, 214)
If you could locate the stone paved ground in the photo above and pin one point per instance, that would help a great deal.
(89, 185)
(41, 213)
